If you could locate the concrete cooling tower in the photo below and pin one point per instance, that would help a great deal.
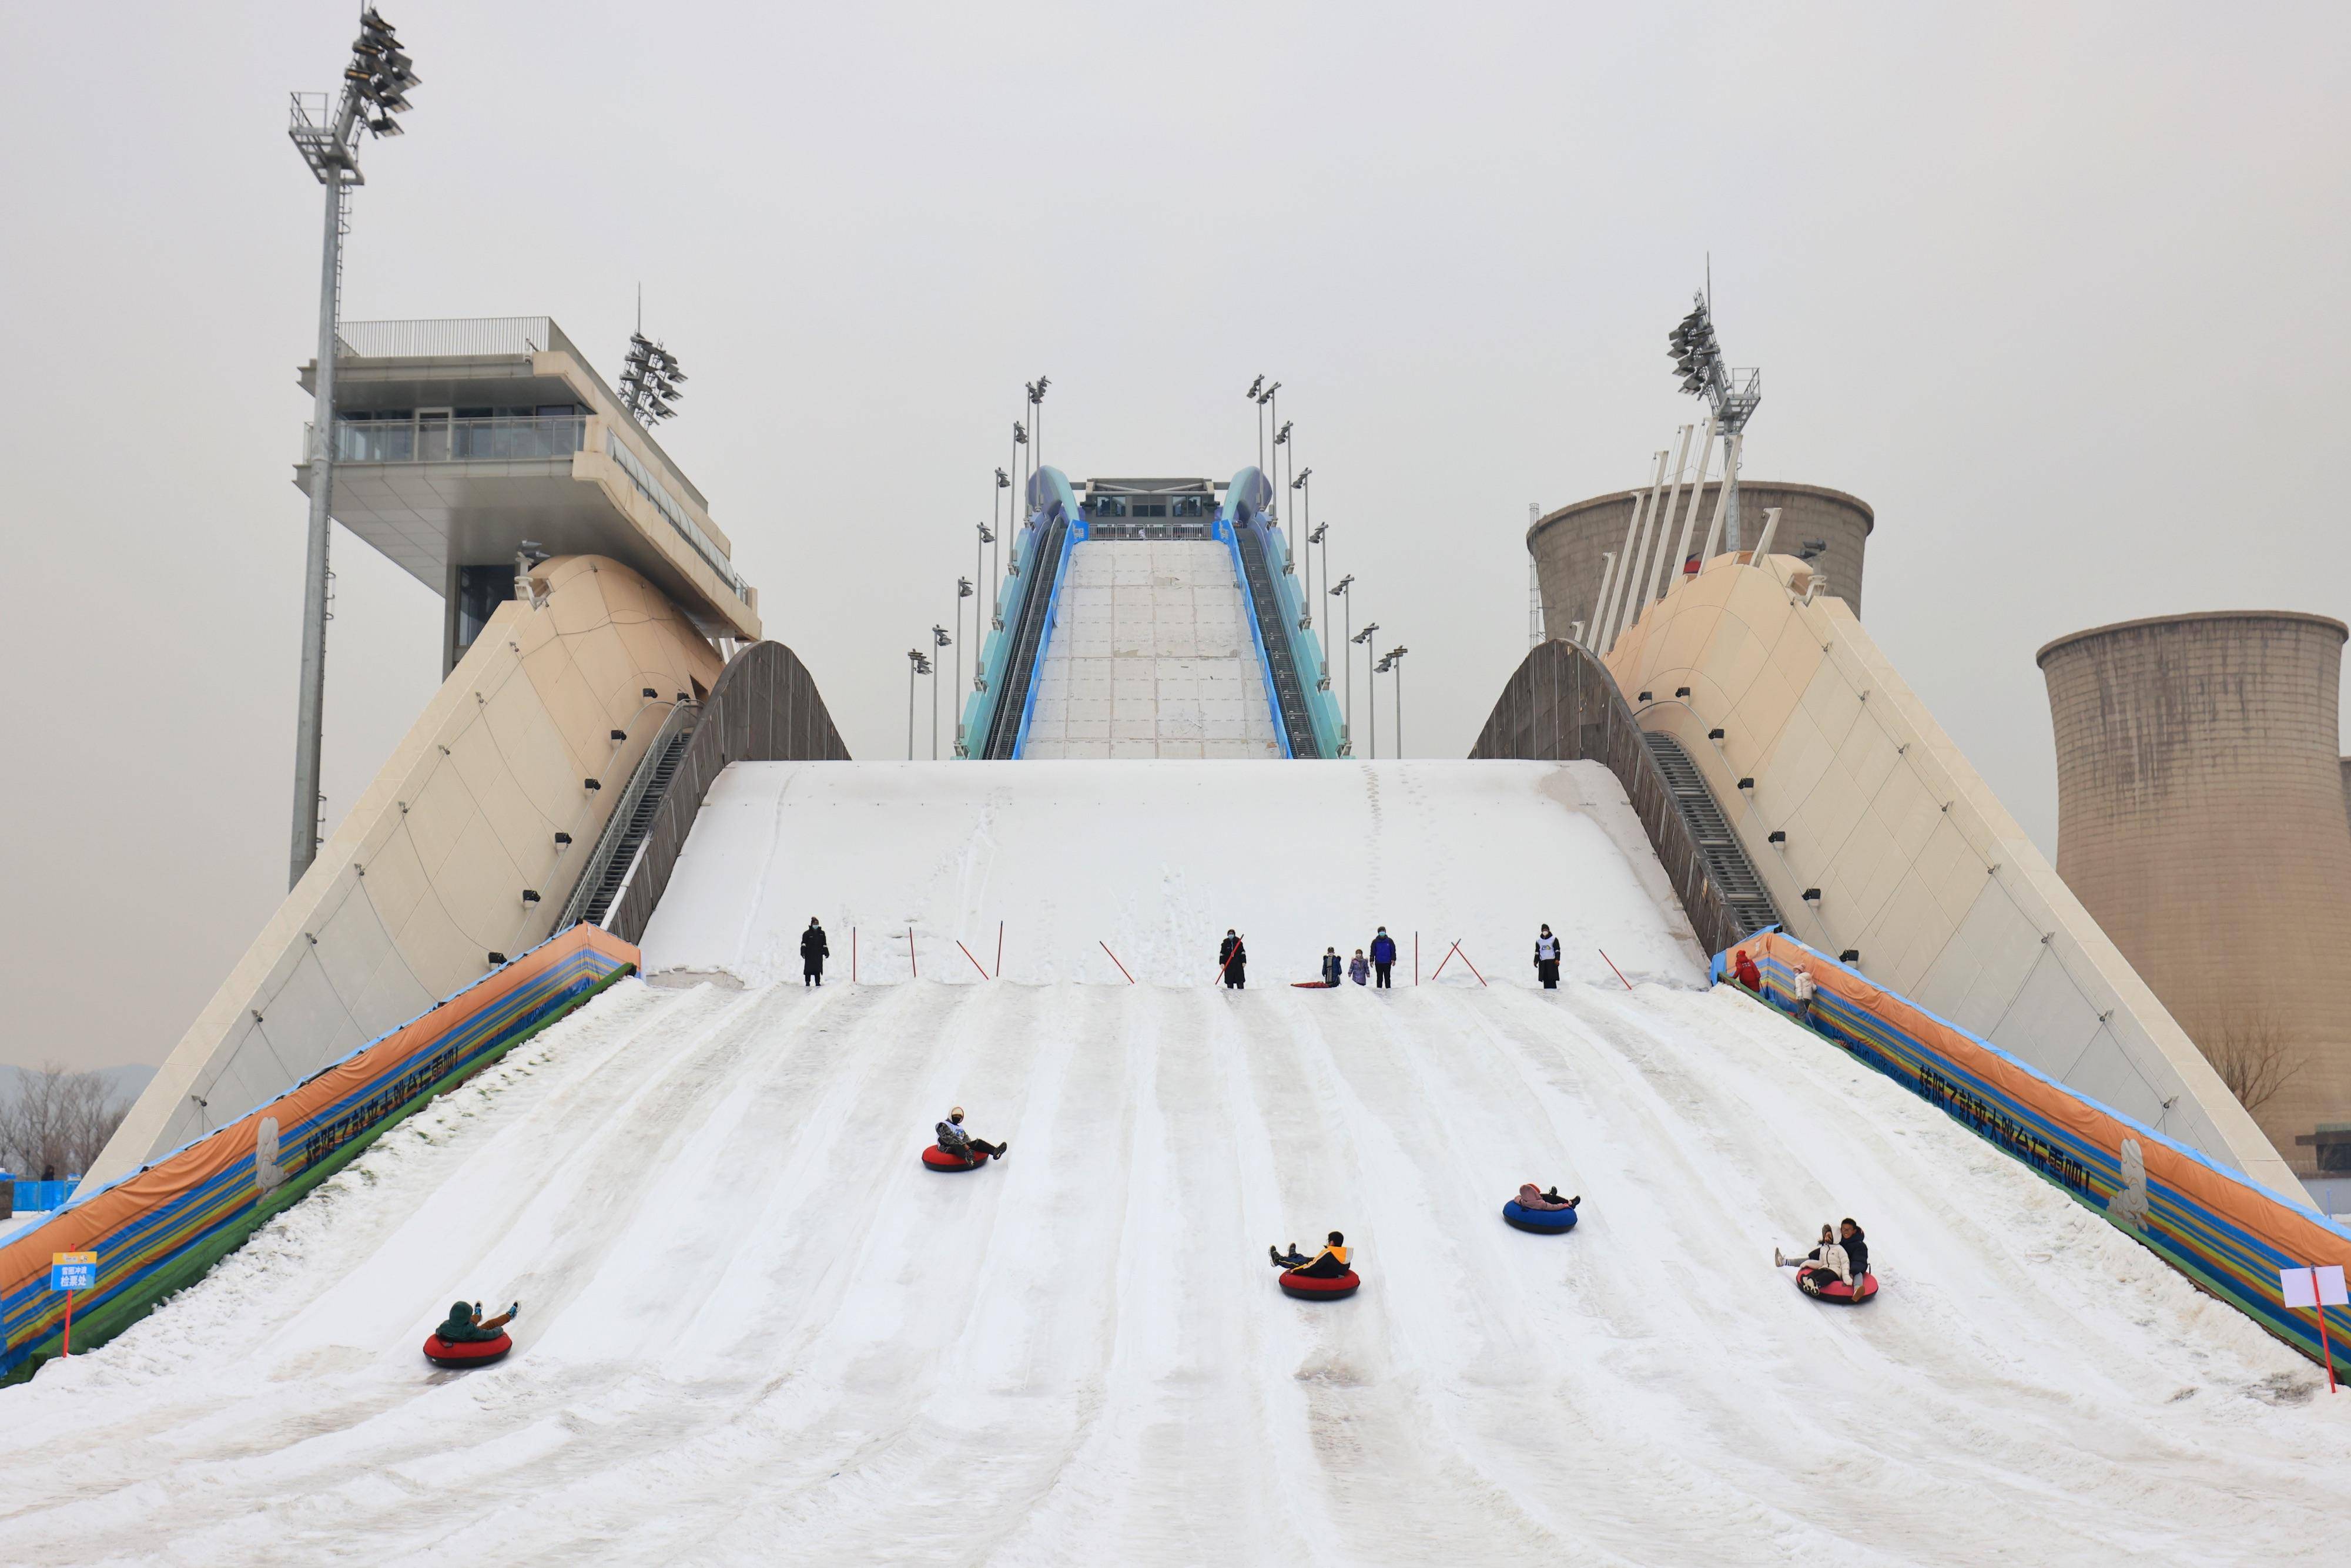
(1570, 545)
(2201, 821)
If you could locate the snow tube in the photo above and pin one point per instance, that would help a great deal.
(1546, 1221)
(465, 1353)
(1308, 1288)
(1838, 1291)
(1314, 985)
(938, 1159)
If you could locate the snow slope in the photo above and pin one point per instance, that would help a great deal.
(755, 1331)
(1157, 860)
(1150, 656)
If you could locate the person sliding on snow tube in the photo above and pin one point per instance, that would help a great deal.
(465, 1339)
(1540, 1211)
(1827, 1242)
(955, 1143)
(1323, 1276)
(1840, 1274)
(1330, 966)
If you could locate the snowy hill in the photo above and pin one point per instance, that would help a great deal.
(755, 1329)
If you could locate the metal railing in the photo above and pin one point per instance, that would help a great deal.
(510, 438)
(653, 490)
(458, 337)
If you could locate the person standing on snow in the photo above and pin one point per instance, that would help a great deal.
(1330, 966)
(1383, 958)
(813, 952)
(1232, 956)
(1547, 959)
(1357, 970)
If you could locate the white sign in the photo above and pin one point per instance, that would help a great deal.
(2315, 1286)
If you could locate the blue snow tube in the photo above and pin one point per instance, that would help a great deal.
(1545, 1221)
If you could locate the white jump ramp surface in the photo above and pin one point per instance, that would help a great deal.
(1156, 860)
(757, 1331)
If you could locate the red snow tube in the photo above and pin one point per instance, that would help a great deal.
(1307, 1288)
(938, 1159)
(465, 1353)
(1838, 1291)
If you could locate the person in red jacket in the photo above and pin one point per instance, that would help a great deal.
(1744, 971)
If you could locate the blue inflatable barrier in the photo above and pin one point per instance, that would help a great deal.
(1546, 1221)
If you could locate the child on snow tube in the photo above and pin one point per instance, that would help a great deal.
(954, 1140)
(1838, 1268)
(1534, 1210)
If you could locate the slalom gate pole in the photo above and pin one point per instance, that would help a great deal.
(1416, 958)
(911, 961)
(999, 950)
(1441, 964)
(974, 963)
(1611, 964)
(1114, 958)
(2325, 1349)
(1464, 958)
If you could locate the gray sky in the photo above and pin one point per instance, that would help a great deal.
(2058, 290)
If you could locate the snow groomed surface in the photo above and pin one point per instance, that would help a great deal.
(755, 1331)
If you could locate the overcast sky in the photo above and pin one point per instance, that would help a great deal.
(2058, 289)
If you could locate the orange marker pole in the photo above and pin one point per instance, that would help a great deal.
(68, 1339)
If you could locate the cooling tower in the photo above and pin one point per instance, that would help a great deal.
(1570, 544)
(2201, 820)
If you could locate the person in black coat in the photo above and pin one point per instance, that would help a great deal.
(1233, 957)
(1331, 965)
(1547, 959)
(1856, 1250)
(813, 952)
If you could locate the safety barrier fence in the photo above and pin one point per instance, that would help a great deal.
(159, 1229)
(40, 1197)
(2228, 1234)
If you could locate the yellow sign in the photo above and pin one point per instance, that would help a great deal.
(67, 1259)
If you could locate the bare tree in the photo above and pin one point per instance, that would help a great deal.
(2251, 1056)
(58, 1121)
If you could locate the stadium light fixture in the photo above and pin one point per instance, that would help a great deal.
(376, 83)
(1696, 351)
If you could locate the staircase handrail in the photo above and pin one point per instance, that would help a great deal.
(681, 719)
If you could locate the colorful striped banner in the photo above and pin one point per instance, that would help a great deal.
(2228, 1234)
(199, 1201)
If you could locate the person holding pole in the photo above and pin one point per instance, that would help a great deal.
(1232, 961)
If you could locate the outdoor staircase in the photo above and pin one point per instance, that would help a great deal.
(1742, 890)
(614, 872)
(1280, 664)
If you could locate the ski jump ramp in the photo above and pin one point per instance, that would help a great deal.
(755, 1329)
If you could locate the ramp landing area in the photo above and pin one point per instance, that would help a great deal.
(1153, 862)
(754, 1328)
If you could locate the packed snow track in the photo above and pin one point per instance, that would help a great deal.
(755, 1329)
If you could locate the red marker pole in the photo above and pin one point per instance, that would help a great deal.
(2325, 1349)
(853, 955)
(68, 1339)
(974, 963)
(1114, 958)
(911, 963)
(1416, 958)
(1611, 964)
(1000, 950)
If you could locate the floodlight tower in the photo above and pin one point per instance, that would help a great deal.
(650, 382)
(376, 83)
(1732, 393)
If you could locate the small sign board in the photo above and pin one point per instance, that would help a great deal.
(78, 1271)
(2315, 1286)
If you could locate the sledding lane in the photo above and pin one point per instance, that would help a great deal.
(756, 1330)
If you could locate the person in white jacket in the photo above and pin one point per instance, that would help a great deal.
(1801, 987)
(1827, 1256)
